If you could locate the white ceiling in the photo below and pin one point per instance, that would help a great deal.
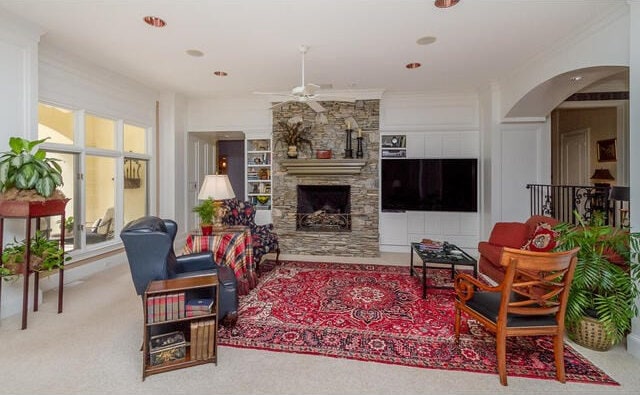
(353, 43)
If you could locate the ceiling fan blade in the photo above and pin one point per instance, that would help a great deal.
(279, 94)
(310, 89)
(315, 106)
(278, 105)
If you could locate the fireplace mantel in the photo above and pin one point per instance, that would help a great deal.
(330, 167)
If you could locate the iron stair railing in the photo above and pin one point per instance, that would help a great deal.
(560, 201)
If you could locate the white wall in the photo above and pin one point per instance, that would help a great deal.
(245, 114)
(633, 340)
(18, 116)
(523, 157)
(74, 83)
(601, 44)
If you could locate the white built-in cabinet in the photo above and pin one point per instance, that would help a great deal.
(399, 229)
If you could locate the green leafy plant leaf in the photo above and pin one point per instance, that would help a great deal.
(24, 169)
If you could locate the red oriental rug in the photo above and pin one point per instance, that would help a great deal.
(376, 313)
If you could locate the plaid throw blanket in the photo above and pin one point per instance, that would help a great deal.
(231, 248)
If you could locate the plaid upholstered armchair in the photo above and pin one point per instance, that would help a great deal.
(264, 239)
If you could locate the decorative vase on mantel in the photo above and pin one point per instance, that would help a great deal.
(292, 152)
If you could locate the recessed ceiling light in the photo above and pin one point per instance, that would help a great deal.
(413, 65)
(154, 21)
(195, 53)
(426, 40)
(576, 78)
(220, 73)
(445, 3)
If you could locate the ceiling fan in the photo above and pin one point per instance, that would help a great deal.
(306, 93)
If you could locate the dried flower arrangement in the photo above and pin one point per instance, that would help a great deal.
(296, 134)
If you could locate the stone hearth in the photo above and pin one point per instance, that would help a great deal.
(363, 239)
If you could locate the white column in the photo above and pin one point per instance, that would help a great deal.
(633, 340)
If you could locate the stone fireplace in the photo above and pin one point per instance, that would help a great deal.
(340, 226)
(324, 208)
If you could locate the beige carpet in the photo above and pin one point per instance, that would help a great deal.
(93, 347)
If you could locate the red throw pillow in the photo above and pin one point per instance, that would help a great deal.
(542, 240)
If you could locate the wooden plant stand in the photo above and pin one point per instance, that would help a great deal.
(33, 210)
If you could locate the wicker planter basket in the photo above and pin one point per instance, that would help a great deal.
(589, 332)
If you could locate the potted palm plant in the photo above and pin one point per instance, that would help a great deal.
(206, 212)
(602, 299)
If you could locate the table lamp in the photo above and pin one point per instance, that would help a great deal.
(601, 177)
(217, 188)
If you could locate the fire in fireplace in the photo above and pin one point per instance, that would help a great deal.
(324, 208)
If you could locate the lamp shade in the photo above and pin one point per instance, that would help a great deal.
(620, 193)
(216, 187)
(602, 174)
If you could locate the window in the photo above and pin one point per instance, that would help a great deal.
(99, 132)
(135, 189)
(134, 139)
(99, 192)
(106, 177)
(56, 124)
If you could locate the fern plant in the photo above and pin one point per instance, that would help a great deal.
(605, 282)
(23, 168)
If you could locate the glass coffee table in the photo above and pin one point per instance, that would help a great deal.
(448, 254)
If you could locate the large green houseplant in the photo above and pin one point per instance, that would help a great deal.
(24, 168)
(605, 283)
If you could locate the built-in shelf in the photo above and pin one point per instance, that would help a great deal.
(312, 167)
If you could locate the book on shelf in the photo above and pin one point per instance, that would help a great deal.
(166, 307)
(201, 340)
(196, 307)
(150, 314)
(194, 338)
(181, 297)
(156, 309)
(205, 344)
(212, 338)
(169, 304)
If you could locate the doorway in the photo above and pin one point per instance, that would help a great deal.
(574, 157)
(233, 151)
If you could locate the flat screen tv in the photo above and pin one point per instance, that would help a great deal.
(429, 185)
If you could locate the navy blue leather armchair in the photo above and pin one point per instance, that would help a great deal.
(148, 242)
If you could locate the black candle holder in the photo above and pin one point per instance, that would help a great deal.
(348, 151)
(359, 153)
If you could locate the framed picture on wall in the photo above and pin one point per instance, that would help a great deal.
(607, 150)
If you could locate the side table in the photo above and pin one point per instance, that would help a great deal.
(450, 254)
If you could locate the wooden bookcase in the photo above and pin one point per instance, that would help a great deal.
(199, 333)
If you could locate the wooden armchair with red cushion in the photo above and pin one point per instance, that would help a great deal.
(535, 231)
